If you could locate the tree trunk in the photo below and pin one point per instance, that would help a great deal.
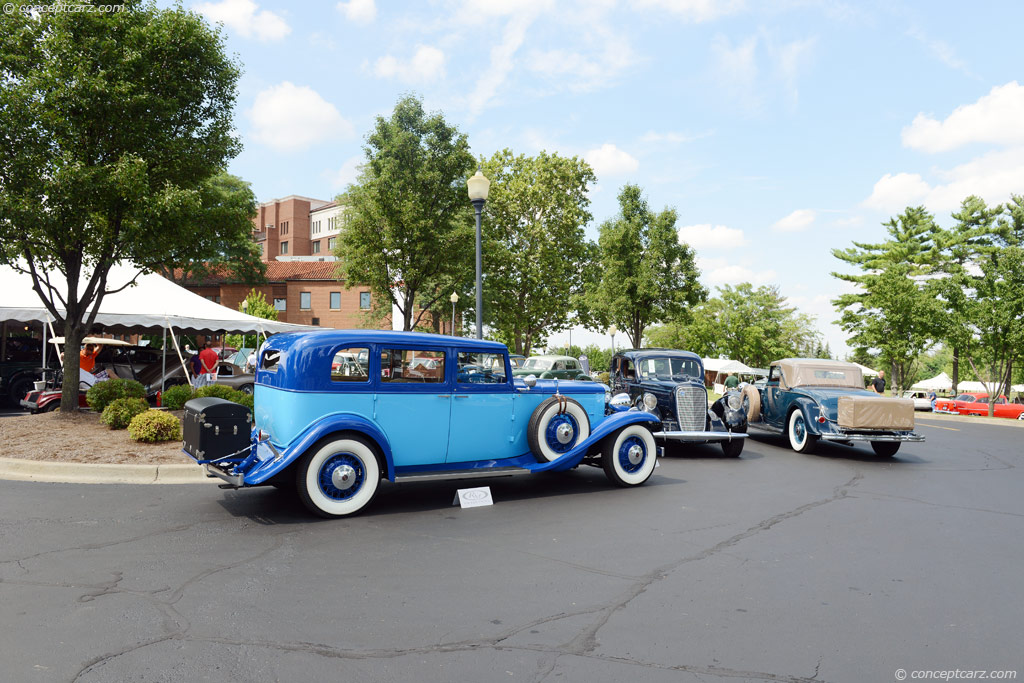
(956, 368)
(72, 362)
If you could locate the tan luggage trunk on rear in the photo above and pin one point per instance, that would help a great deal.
(876, 412)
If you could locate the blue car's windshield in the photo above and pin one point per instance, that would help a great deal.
(672, 369)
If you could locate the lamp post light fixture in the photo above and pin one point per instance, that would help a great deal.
(478, 186)
(454, 299)
(613, 331)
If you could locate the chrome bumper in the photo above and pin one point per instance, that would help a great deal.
(872, 437)
(236, 480)
(700, 437)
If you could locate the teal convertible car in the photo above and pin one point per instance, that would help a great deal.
(811, 400)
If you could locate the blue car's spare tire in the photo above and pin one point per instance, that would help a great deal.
(557, 425)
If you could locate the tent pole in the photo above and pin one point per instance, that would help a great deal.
(184, 367)
(163, 357)
(3, 342)
(44, 349)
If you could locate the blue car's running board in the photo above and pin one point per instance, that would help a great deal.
(462, 474)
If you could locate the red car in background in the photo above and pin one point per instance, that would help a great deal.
(977, 404)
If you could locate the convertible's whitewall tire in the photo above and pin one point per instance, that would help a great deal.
(338, 478)
(556, 427)
(629, 456)
(752, 402)
(800, 440)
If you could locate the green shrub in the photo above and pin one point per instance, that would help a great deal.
(603, 377)
(102, 393)
(120, 411)
(174, 398)
(217, 391)
(153, 426)
(245, 399)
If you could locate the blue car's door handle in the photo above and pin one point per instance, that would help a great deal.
(444, 395)
(461, 395)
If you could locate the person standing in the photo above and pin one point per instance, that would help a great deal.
(732, 381)
(932, 397)
(878, 383)
(208, 361)
(87, 358)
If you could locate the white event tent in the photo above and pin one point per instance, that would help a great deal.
(152, 304)
(941, 382)
(866, 371)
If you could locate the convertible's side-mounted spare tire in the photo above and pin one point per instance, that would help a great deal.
(752, 403)
(557, 425)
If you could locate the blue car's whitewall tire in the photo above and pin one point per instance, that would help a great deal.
(629, 455)
(338, 478)
(800, 439)
(557, 425)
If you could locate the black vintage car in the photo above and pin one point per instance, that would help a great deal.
(670, 384)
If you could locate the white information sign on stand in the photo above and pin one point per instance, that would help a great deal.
(473, 498)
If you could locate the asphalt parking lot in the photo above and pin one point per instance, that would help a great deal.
(838, 566)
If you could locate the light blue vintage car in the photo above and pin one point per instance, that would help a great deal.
(337, 411)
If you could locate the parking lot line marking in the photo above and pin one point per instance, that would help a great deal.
(952, 429)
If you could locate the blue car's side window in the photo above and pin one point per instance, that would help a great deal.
(351, 365)
(481, 368)
(410, 366)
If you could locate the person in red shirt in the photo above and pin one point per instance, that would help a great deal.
(208, 360)
(87, 357)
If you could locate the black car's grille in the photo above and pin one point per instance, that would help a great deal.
(692, 408)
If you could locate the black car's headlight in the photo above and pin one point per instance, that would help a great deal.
(650, 402)
(734, 400)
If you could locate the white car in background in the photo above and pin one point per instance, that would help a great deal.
(921, 401)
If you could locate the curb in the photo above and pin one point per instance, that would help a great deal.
(15, 469)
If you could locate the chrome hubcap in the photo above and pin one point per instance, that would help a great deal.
(564, 433)
(635, 454)
(343, 477)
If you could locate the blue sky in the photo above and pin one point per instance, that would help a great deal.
(778, 129)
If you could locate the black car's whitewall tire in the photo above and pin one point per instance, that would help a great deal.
(629, 456)
(338, 478)
(800, 439)
(557, 425)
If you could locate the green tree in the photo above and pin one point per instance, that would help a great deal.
(751, 325)
(255, 303)
(646, 274)
(892, 310)
(535, 247)
(222, 236)
(411, 233)
(954, 249)
(110, 124)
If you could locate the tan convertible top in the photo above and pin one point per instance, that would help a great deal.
(803, 372)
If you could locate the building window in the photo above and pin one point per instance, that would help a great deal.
(284, 247)
(331, 222)
(364, 301)
(316, 247)
(305, 301)
(331, 241)
(335, 301)
(217, 299)
(284, 228)
(316, 227)
(316, 321)
(280, 304)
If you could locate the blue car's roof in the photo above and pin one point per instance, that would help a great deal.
(657, 353)
(331, 337)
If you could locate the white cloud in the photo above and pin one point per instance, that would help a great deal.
(791, 59)
(720, 271)
(736, 67)
(893, 192)
(425, 66)
(245, 18)
(347, 174)
(609, 160)
(692, 10)
(800, 219)
(288, 117)
(502, 60)
(942, 51)
(994, 118)
(707, 236)
(358, 11)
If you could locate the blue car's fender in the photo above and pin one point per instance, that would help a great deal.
(610, 424)
(809, 407)
(338, 422)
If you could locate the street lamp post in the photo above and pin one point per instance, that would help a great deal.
(454, 299)
(613, 331)
(478, 186)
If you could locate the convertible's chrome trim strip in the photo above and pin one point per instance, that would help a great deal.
(236, 480)
(872, 437)
(700, 436)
